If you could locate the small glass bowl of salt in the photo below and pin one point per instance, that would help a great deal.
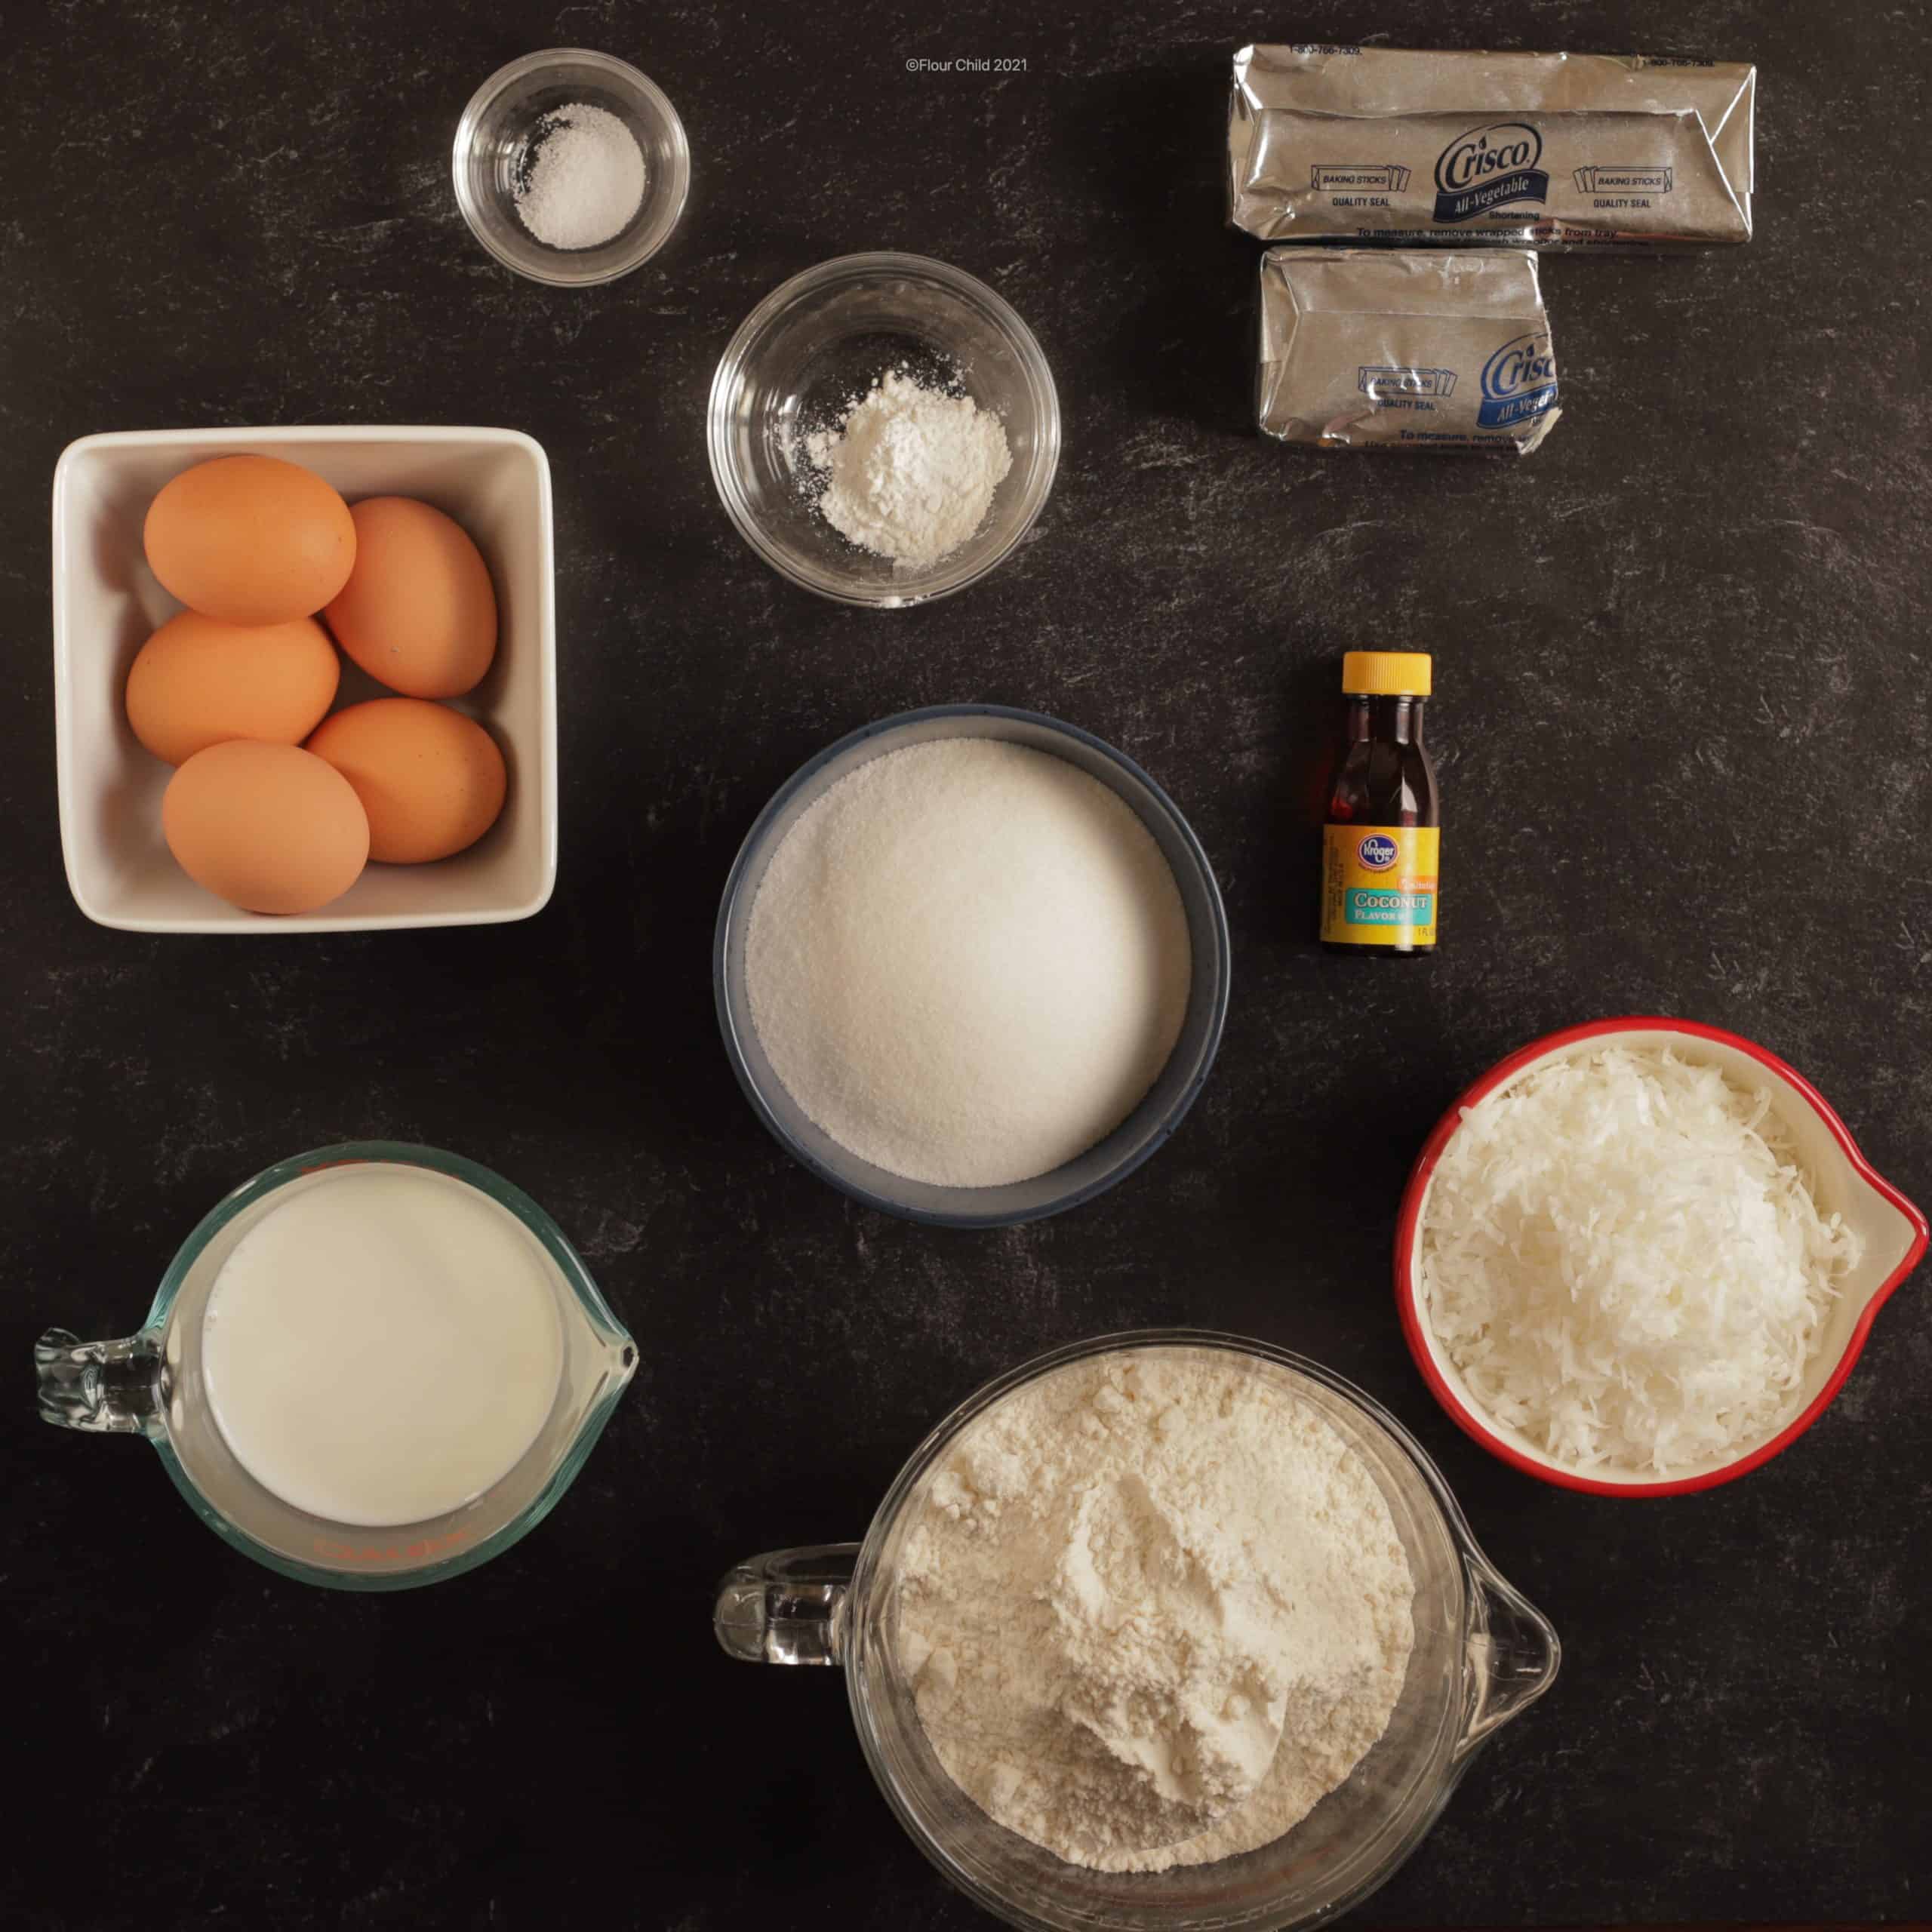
(572, 168)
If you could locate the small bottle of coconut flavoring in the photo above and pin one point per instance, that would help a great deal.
(1379, 844)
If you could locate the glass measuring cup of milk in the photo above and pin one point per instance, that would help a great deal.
(371, 1367)
(1481, 1655)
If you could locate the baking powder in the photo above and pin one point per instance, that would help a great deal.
(910, 471)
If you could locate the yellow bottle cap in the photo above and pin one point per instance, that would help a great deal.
(1386, 674)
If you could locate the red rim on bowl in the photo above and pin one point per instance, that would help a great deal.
(1408, 1296)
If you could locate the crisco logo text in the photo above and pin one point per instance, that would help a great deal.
(1484, 153)
(1377, 852)
(1526, 363)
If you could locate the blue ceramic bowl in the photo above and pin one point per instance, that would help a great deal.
(1138, 1136)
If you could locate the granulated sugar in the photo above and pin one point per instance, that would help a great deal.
(968, 961)
(1153, 1607)
(582, 178)
(909, 472)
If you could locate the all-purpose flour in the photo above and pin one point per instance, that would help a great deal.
(1153, 1608)
(968, 961)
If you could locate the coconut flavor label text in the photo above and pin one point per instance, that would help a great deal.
(1379, 884)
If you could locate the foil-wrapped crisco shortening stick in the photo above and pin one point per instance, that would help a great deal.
(1369, 145)
(1404, 349)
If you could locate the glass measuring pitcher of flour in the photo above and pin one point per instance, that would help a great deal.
(1481, 1655)
(158, 1382)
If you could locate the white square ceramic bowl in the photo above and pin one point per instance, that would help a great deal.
(496, 483)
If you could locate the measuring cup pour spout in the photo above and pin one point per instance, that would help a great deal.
(109, 1387)
(1512, 1653)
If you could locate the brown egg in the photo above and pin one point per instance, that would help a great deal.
(270, 827)
(250, 540)
(198, 681)
(418, 612)
(431, 780)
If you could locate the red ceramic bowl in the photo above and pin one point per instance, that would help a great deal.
(1894, 1230)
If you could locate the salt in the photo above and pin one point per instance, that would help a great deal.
(967, 962)
(581, 179)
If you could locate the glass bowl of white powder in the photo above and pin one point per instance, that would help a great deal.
(1103, 1568)
(570, 167)
(996, 939)
(884, 429)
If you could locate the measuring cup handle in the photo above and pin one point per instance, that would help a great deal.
(109, 1387)
(787, 1606)
(1513, 1653)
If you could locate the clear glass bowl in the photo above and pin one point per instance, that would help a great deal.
(1482, 1655)
(495, 131)
(828, 335)
(1137, 1138)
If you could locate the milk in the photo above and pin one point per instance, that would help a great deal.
(383, 1345)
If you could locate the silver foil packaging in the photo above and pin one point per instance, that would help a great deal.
(1379, 145)
(1404, 349)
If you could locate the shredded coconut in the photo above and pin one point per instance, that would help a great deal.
(1153, 1608)
(909, 472)
(582, 178)
(1621, 1253)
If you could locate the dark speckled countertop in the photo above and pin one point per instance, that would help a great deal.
(1687, 759)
